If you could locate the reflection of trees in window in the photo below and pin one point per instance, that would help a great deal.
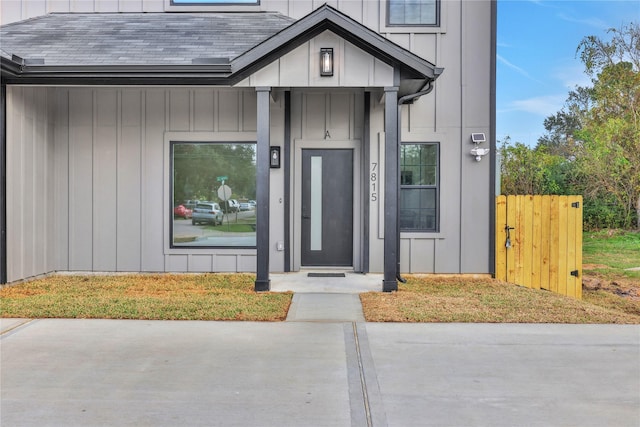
(196, 167)
(419, 187)
(412, 12)
(419, 164)
(197, 171)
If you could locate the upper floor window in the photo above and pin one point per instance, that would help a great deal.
(413, 12)
(213, 2)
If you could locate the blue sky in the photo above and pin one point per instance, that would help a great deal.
(536, 61)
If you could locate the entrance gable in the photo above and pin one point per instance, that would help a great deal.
(353, 67)
(357, 49)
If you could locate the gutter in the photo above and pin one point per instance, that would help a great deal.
(17, 70)
(3, 184)
(408, 99)
(10, 66)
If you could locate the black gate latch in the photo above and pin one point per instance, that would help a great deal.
(508, 229)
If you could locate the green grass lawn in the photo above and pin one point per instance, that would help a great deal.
(606, 255)
(612, 252)
(421, 299)
(431, 299)
(232, 228)
(142, 296)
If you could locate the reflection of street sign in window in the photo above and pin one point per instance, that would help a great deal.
(203, 171)
(224, 192)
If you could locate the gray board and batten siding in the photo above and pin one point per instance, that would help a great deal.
(87, 178)
(88, 194)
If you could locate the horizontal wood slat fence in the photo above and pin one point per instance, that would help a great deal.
(539, 242)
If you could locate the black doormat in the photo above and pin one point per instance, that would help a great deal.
(325, 275)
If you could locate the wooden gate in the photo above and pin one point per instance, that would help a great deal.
(539, 242)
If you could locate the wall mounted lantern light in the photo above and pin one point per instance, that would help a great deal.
(476, 151)
(274, 157)
(326, 62)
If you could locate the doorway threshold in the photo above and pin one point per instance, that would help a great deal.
(314, 274)
(348, 282)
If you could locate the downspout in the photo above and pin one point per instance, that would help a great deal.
(407, 99)
(3, 184)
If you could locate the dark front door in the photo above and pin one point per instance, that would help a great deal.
(327, 208)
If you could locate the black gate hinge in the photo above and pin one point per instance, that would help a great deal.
(575, 273)
(575, 204)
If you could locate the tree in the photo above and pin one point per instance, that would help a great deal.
(527, 170)
(562, 128)
(560, 137)
(592, 145)
(609, 158)
(597, 54)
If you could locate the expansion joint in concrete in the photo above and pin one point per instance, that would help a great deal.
(363, 382)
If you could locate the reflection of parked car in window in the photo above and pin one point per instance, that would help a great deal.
(245, 206)
(207, 213)
(232, 205)
(181, 211)
(191, 204)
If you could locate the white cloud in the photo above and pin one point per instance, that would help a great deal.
(540, 105)
(520, 70)
(590, 22)
(502, 59)
(572, 76)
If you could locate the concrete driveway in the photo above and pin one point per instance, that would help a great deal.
(300, 373)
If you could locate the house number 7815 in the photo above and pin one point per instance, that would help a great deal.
(373, 178)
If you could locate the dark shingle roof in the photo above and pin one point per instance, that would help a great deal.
(138, 38)
(181, 48)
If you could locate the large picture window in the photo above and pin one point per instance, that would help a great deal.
(419, 176)
(213, 192)
(413, 12)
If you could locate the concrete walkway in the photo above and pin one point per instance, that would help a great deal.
(326, 299)
(307, 373)
(321, 307)
(324, 366)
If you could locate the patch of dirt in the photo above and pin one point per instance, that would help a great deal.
(625, 288)
(593, 266)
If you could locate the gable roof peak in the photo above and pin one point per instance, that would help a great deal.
(324, 18)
